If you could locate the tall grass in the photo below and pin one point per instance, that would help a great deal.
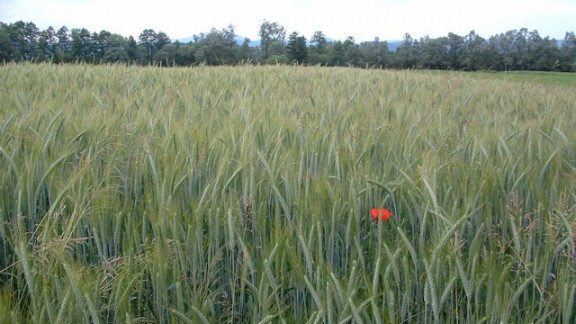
(242, 194)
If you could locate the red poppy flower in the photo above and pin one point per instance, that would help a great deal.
(381, 214)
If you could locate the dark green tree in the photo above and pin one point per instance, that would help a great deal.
(31, 36)
(166, 56)
(296, 48)
(246, 54)
(337, 56)
(132, 49)
(455, 52)
(47, 43)
(318, 50)
(406, 53)
(7, 50)
(272, 39)
(116, 49)
(217, 47)
(352, 54)
(375, 53)
(63, 50)
(175, 54)
(474, 53)
(433, 53)
(568, 53)
(320, 43)
(24, 37)
(543, 53)
(162, 39)
(498, 46)
(520, 50)
(148, 40)
(502, 44)
(83, 46)
(101, 44)
(151, 42)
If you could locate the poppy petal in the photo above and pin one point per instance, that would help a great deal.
(381, 214)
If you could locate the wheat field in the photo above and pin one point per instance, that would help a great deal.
(243, 194)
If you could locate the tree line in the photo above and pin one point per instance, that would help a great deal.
(513, 50)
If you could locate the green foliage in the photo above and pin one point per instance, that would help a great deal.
(513, 50)
(243, 194)
(272, 39)
(218, 47)
(296, 48)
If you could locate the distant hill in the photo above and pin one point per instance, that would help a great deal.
(184, 40)
(239, 40)
(394, 44)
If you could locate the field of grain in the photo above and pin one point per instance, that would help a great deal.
(243, 194)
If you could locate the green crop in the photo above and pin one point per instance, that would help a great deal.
(243, 194)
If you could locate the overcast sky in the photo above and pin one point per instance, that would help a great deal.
(362, 19)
